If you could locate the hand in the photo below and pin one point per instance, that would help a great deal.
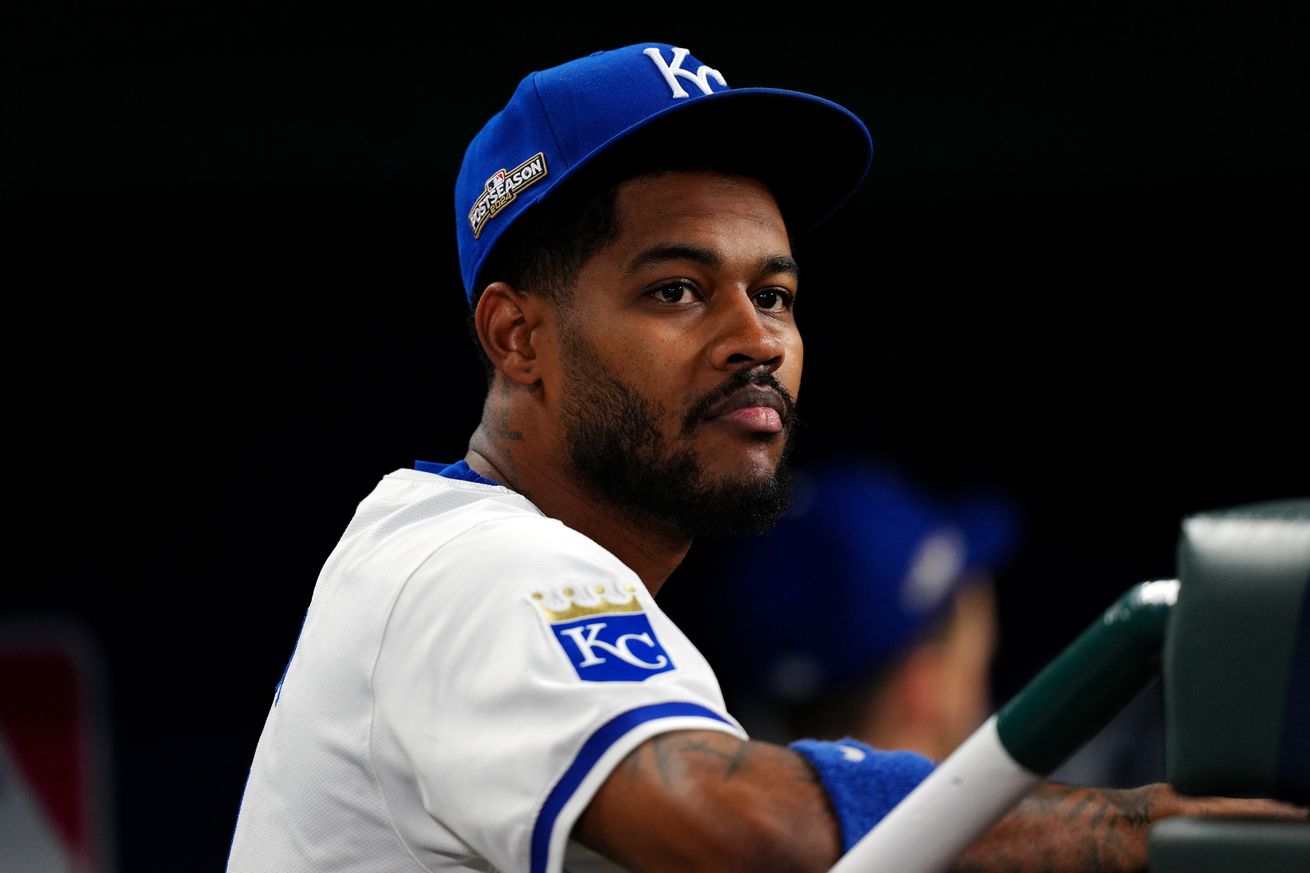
(1098, 830)
(1167, 802)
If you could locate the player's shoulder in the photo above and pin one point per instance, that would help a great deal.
(478, 525)
(419, 494)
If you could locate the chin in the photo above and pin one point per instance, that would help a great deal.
(741, 504)
(755, 462)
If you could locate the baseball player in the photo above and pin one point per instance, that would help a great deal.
(484, 680)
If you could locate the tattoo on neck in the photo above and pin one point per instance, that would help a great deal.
(506, 430)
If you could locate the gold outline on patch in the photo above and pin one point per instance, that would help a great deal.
(574, 609)
(500, 205)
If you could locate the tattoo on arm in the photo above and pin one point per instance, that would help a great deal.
(708, 796)
(733, 759)
(1067, 828)
(675, 756)
(662, 763)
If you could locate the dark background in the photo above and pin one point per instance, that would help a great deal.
(234, 304)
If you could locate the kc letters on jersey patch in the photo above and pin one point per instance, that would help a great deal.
(603, 632)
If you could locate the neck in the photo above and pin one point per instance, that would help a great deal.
(650, 550)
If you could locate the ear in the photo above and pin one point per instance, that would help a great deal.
(507, 320)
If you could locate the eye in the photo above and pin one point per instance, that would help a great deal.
(774, 299)
(680, 291)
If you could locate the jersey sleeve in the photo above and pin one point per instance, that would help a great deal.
(521, 662)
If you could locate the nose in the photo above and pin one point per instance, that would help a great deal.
(746, 336)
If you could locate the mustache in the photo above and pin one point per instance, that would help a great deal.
(737, 381)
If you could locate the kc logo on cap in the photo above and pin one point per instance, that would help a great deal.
(503, 185)
(672, 72)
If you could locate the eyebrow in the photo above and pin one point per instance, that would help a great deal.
(781, 264)
(680, 252)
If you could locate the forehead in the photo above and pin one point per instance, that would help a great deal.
(707, 205)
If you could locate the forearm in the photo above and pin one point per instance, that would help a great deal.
(1063, 827)
(702, 800)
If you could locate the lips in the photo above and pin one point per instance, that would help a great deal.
(754, 407)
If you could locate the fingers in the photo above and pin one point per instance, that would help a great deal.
(1237, 807)
(1169, 802)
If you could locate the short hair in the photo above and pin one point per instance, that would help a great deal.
(544, 250)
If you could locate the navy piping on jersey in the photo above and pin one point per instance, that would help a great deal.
(457, 470)
(605, 736)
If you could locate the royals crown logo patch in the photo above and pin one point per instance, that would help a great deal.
(502, 187)
(604, 632)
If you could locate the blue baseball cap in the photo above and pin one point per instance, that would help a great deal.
(865, 562)
(812, 153)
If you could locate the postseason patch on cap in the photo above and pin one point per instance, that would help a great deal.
(502, 187)
(603, 632)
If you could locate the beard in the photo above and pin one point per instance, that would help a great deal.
(618, 450)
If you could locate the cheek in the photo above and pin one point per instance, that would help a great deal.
(797, 356)
(793, 360)
(667, 363)
(659, 370)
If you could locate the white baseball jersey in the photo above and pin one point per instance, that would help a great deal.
(468, 674)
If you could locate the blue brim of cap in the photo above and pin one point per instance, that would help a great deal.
(813, 154)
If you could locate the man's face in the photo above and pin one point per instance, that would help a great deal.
(680, 356)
